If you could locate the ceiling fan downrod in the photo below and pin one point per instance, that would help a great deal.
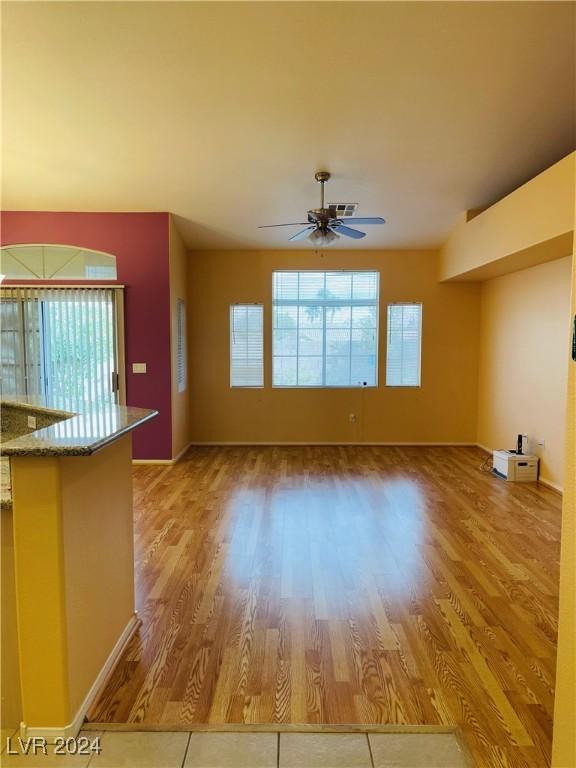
(322, 177)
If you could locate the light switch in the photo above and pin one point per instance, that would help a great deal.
(138, 367)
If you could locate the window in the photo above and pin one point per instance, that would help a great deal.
(181, 344)
(404, 342)
(246, 345)
(55, 262)
(61, 343)
(325, 329)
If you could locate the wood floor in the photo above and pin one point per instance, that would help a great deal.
(344, 585)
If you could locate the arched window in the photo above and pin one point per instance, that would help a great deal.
(55, 262)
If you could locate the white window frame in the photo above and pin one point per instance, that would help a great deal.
(327, 303)
(231, 332)
(405, 304)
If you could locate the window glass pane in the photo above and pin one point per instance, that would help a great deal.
(62, 345)
(338, 342)
(338, 317)
(285, 342)
(363, 371)
(56, 262)
(337, 371)
(363, 341)
(311, 316)
(325, 329)
(285, 317)
(403, 345)
(311, 285)
(246, 345)
(286, 285)
(309, 342)
(365, 285)
(310, 371)
(364, 317)
(284, 371)
(338, 285)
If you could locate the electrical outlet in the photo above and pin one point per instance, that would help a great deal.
(352, 418)
(32, 422)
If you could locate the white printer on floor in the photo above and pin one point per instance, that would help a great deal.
(513, 466)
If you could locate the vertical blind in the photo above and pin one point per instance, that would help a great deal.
(246, 345)
(325, 329)
(60, 343)
(404, 338)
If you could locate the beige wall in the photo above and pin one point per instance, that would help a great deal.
(74, 575)
(523, 361)
(442, 410)
(178, 290)
(564, 742)
(99, 591)
(531, 225)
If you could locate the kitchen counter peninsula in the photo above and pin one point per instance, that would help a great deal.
(67, 557)
(59, 432)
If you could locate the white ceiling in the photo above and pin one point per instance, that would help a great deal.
(221, 112)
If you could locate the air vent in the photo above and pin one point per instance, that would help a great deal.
(344, 210)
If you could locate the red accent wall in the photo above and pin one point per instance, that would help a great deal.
(140, 243)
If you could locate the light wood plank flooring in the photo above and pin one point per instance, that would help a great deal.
(344, 585)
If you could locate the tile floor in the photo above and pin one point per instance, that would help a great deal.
(212, 749)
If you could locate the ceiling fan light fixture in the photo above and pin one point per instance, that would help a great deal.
(323, 237)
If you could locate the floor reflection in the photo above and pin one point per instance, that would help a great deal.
(344, 534)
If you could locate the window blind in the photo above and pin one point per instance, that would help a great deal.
(325, 329)
(404, 345)
(181, 358)
(60, 343)
(246, 345)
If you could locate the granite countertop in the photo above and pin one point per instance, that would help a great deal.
(75, 434)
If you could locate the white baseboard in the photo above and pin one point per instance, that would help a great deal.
(543, 480)
(555, 487)
(317, 442)
(72, 729)
(181, 453)
(166, 462)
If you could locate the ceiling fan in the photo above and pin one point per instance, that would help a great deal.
(323, 225)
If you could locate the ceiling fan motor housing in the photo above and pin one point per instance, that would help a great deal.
(320, 216)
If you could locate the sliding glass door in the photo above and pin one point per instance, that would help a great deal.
(62, 343)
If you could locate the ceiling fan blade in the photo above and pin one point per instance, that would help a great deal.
(303, 233)
(292, 224)
(369, 220)
(340, 229)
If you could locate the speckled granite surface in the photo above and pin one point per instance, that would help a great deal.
(74, 434)
(14, 419)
